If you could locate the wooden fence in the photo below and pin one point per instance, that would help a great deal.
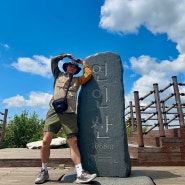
(161, 115)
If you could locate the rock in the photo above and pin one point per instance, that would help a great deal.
(56, 142)
(102, 133)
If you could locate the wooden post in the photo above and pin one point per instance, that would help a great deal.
(165, 115)
(132, 120)
(4, 125)
(178, 101)
(158, 108)
(138, 118)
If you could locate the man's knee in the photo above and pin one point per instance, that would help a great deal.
(47, 139)
(46, 143)
(72, 140)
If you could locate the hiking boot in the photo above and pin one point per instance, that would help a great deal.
(42, 177)
(85, 178)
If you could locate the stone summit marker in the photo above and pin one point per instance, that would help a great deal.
(102, 137)
(102, 133)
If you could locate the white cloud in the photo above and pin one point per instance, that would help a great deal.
(159, 17)
(126, 16)
(36, 99)
(6, 46)
(153, 72)
(39, 65)
(146, 65)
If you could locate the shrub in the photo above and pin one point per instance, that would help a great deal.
(23, 129)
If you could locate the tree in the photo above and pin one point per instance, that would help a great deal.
(22, 130)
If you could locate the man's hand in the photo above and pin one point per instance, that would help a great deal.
(69, 56)
(79, 60)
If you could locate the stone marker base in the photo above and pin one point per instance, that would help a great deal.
(136, 178)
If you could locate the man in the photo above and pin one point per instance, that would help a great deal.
(68, 119)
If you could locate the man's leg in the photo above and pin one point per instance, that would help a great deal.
(82, 177)
(74, 150)
(45, 150)
(45, 153)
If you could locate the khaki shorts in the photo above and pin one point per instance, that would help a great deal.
(54, 122)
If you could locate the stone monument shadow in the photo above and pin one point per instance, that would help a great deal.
(92, 118)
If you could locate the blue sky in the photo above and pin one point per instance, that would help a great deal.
(148, 35)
